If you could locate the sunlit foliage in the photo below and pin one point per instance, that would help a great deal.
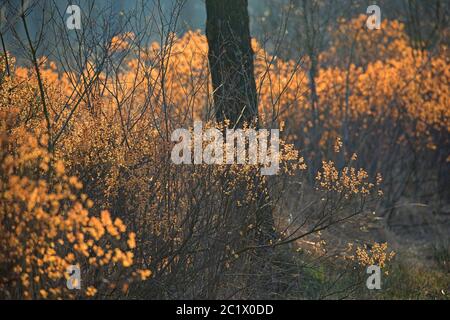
(109, 140)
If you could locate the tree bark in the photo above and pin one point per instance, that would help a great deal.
(232, 72)
(231, 61)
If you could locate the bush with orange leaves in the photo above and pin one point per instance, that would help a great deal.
(45, 224)
(191, 220)
(368, 255)
(385, 99)
(171, 210)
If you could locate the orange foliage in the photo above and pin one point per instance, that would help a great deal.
(45, 220)
(116, 141)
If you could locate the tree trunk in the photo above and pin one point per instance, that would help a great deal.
(232, 72)
(231, 61)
